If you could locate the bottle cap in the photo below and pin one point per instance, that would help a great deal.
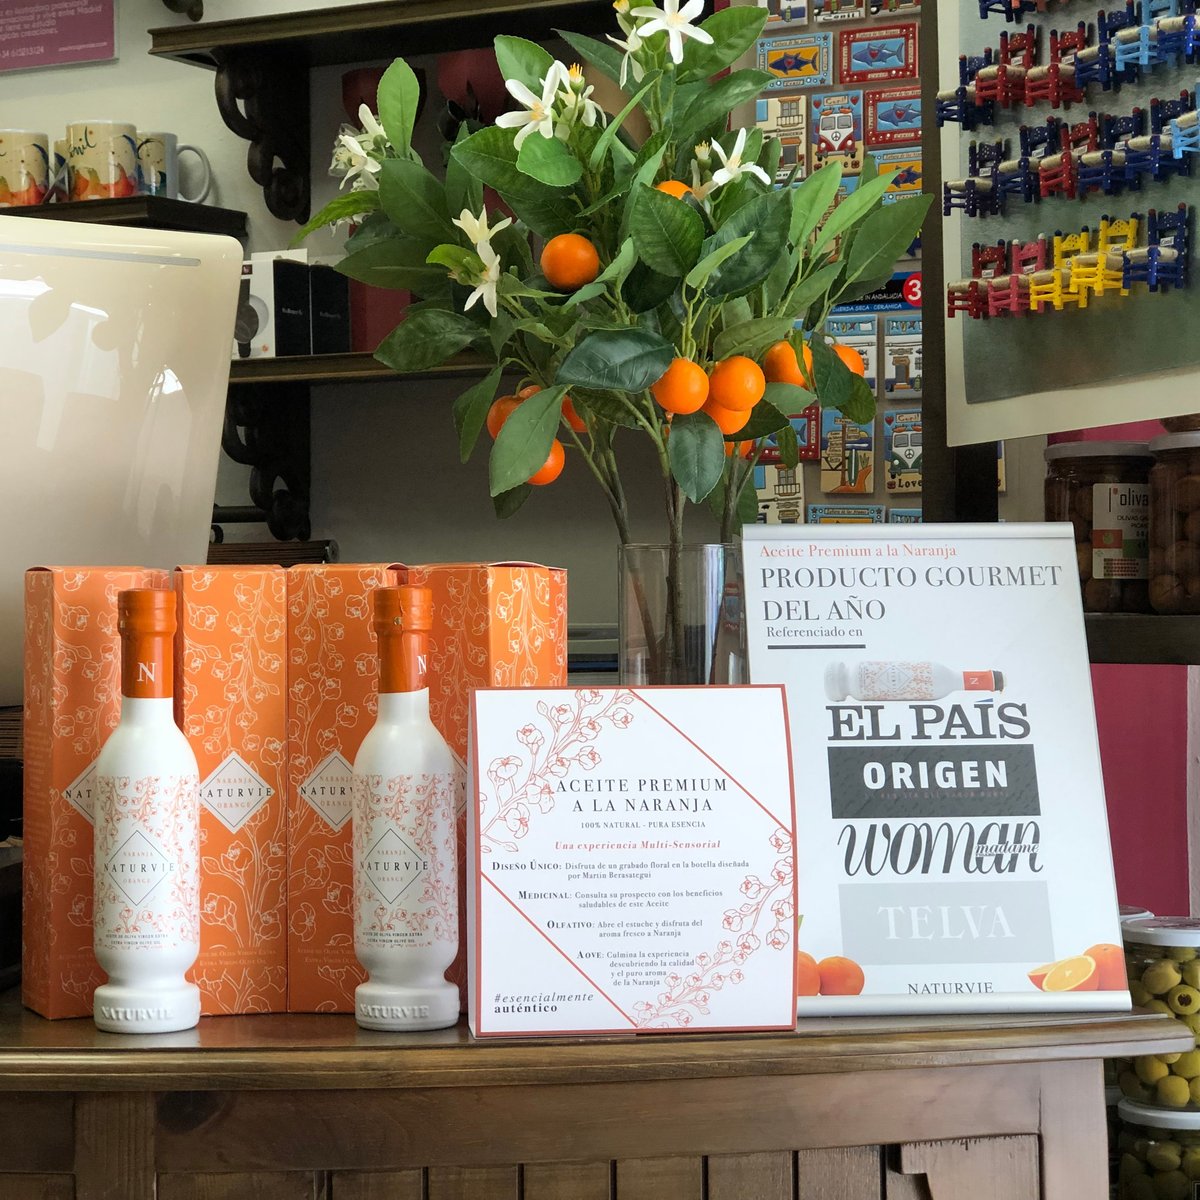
(146, 610)
(410, 608)
(836, 684)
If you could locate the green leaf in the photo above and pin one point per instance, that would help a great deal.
(456, 259)
(667, 233)
(425, 339)
(733, 32)
(853, 209)
(609, 136)
(789, 446)
(811, 200)
(399, 98)
(815, 287)
(491, 156)
(625, 360)
(716, 102)
(765, 419)
(508, 502)
(884, 237)
(645, 289)
(751, 337)
(549, 161)
(649, 157)
(767, 217)
(414, 200)
(832, 376)
(471, 409)
(606, 59)
(606, 406)
(512, 244)
(524, 61)
(525, 440)
(499, 330)
(697, 454)
(340, 208)
(395, 262)
(779, 280)
(859, 403)
(771, 159)
(463, 190)
(698, 276)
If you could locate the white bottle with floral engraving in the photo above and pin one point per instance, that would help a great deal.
(147, 837)
(892, 680)
(405, 856)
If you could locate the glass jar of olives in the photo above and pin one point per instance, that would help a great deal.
(1102, 489)
(1162, 957)
(1175, 523)
(1158, 1153)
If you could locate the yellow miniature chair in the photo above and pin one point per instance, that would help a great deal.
(1103, 270)
(1053, 285)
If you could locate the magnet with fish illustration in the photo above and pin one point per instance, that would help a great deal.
(906, 162)
(884, 53)
(893, 116)
(796, 60)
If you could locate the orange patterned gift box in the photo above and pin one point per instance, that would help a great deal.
(494, 625)
(72, 703)
(333, 681)
(231, 702)
(502, 625)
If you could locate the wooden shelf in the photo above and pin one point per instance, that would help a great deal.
(145, 212)
(1143, 638)
(344, 368)
(365, 32)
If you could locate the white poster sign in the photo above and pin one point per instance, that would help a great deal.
(952, 841)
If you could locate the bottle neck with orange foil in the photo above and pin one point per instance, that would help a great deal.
(146, 666)
(403, 661)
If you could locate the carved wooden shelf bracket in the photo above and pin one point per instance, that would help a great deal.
(264, 99)
(194, 9)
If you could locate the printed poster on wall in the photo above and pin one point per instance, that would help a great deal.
(56, 34)
(953, 851)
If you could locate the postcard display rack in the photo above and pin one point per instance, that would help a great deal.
(846, 86)
(1069, 136)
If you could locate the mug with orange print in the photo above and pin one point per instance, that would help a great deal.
(24, 167)
(102, 160)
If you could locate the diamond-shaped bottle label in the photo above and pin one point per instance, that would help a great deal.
(328, 790)
(137, 867)
(234, 792)
(82, 792)
(392, 866)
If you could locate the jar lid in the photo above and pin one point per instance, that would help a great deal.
(1102, 449)
(1112, 1096)
(1163, 931)
(1133, 912)
(1175, 441)
(1158, 1118)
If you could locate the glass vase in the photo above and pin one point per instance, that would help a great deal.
(681, 616)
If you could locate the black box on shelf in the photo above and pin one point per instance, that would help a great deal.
(329, 298)
(273, 317)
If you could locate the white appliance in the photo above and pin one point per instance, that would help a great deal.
(114, 362)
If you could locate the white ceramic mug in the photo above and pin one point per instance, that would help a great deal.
(102, 159)
(158, 161)
(24, 168)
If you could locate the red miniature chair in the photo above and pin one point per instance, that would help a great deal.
(967, 297)
(1009, 294)
(1003, 82)
(1055, 81)
(1058, 173)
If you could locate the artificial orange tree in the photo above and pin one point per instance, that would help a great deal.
(675, 283)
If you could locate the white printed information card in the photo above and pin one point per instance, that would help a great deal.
(631, 861)
(953, 851)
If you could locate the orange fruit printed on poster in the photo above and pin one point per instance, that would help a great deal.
(840, 976)
(1110, 965)
(1078, 974)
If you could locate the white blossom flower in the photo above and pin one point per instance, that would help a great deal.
(476, 227)
(626, 22)
(629, 63)
(354, 164)
(675, 22)
(539, 114)
(485, 285)
(577, 101)
(733, 166)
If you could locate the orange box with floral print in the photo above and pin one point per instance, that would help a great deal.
(72, 703)
(495, 625)
(231, 702)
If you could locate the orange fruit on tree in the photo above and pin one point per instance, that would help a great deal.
(502, 408)
(745, 449)
(552, 468)
(851, 357)
(1110, 966)
(808, 974)
(569, 261)
(1079, 974)
(526, 392)
(682, 387)
(728, 420)
(572, 417)
(737, 382)
(674, 187)
(840, 976)
(780, 365)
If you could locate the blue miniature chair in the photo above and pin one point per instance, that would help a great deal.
(957, 105)
(1019, 177)
(1103, 170)
(1163, 261)
(1185, 134)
